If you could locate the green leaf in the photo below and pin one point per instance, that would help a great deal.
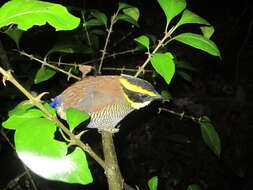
(193, 187)
(26, 13)
(207, 31)
(184, 76)
(50, 109)
(172, 8)
(189, 17)
(70, 47)
(133, 12)
(123, 6)
(199, 42)
(123, 17)
(143, 40)
(101, 17)
(184, 65)
(15, 34)
(37, 148)
(75, 117)
(16, 121)
(210, 136)
(43, 74)
(20, 108)
(153, 183)
(93, 22)
(164, 65)
(98, 32)
(166, 95)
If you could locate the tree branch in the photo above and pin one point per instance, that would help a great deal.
(112, 171)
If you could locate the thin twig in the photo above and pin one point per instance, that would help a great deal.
(109, 31)
(161, 43)
(69, 74)
(182, 115)
(96, 60)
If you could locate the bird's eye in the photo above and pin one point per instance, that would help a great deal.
(143, 96)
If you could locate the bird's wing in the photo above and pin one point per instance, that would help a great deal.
(92, 94)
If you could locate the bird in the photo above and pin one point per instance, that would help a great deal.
(106, 98)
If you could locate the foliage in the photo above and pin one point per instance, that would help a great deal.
(29, 122)
(153, 183)
(34, 133)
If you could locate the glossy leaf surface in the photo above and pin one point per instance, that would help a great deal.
(16, 120)
(164, 65)
(199, 42)
(27, 13)
(207, 31)
(153, 183)
(126, 18)
(123, 6)
(36, 147)
(143, 40)
(75, 117)
(101, 17)
(210, 136)
(133, 12)
(189, 17)
(172, 8)
(43, 74)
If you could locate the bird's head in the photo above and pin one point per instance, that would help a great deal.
(139, 93)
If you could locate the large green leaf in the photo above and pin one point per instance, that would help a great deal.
(210, 136)
(172, 8)
(36, 147)
(189, 17)
(164, 65)
(26, 13)
(43, 74)
(199, 42)
(153, 183)
(75, 117)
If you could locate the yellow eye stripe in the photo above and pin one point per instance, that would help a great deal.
(136, 105)
(135, 88)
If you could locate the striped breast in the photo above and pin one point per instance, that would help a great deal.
(101, 97)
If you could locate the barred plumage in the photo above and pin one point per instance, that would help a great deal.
(108, 99)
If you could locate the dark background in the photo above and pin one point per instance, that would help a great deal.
(151, 144)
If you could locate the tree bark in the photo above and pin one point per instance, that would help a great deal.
(112, 171)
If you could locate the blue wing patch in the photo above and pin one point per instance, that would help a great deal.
(56, 102)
